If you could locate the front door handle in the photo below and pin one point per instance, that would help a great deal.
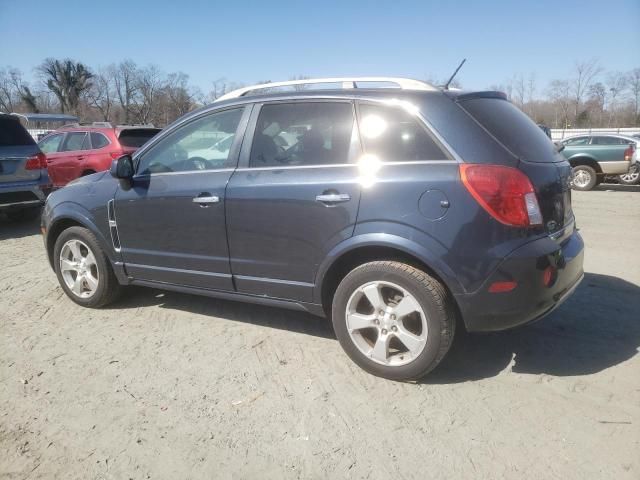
(332, 198)
(206, 200)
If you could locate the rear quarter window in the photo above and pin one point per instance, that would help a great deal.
(393, 135)
(512, 128)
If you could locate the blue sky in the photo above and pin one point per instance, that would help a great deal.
(275, 40)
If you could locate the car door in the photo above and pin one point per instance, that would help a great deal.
(69, 162)
(171, 220)
(99, 157)
(291, 202)
(609, 151)
(50, 146)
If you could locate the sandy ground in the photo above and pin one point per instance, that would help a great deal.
(165, 385)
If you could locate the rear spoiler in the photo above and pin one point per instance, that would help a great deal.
(462, 96)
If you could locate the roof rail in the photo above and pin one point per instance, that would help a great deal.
(347, 82)
(88, 124)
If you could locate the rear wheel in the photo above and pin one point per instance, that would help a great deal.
(632, 177)
(393, 320)
(584, 178)
(83, 270)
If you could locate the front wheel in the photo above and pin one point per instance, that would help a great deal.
(393, 320)
(83, 270)
(632, 177)
(584, 178)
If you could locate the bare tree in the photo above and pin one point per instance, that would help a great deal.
(13, 90)
(179, 96)
(149, 82)
(102, 94)
(617, 84)
(597, 97)
(633, 82)
(68, 80)
(125, 82)
(519, 90)
(584, 75)
(559, 93)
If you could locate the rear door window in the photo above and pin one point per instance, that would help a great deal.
(51, 144)
(577, 141)
(512, 128)
(302, 134)
(75, 141)
(393, 135)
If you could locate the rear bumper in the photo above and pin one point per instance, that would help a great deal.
(15, 196)
(531, 299)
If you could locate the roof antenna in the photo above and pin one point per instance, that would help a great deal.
(446, 85)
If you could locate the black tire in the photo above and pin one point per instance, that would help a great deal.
(430, 294)
(589, 175)
(631, 178)
(108, 289)
(24, 214)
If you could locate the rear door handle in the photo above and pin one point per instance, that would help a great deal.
(206, 200)
(332, 198)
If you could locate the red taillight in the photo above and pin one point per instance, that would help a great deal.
(505, 192)
(548, 276)
(116, 154)
(501, 287)
(628, 153)
(36, 162)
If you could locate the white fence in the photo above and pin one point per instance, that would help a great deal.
(559, 133)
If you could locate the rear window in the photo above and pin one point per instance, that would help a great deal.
(512, 128)
(136, 137)
(12, 133)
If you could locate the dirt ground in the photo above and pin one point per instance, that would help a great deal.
(166, 385)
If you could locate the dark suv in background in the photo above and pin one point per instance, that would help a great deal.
(394, 211)
(24, 182)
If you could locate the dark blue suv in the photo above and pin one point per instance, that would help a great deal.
(393, 211)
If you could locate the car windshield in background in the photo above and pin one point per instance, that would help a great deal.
(12, 133)
(136, 137)
(512, 128)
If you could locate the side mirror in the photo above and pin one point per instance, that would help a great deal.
(122, 168)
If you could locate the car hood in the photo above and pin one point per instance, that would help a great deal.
(97, 188)
(94, 177)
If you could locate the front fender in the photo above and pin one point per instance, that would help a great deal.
(72, 212)
(400, 243)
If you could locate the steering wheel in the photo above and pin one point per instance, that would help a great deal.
(196, 163)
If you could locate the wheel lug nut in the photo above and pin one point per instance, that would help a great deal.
(384, 331)
(394, 328)
(381, 312)
(393, 317)
(376, 322)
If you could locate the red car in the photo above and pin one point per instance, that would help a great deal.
(78, 150)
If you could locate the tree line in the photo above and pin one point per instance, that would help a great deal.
(127, 93)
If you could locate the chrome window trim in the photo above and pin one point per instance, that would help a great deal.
(185, 172)
(342, 165)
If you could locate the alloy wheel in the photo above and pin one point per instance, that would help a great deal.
(386, 323)
(581, 178)
(79, 268)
